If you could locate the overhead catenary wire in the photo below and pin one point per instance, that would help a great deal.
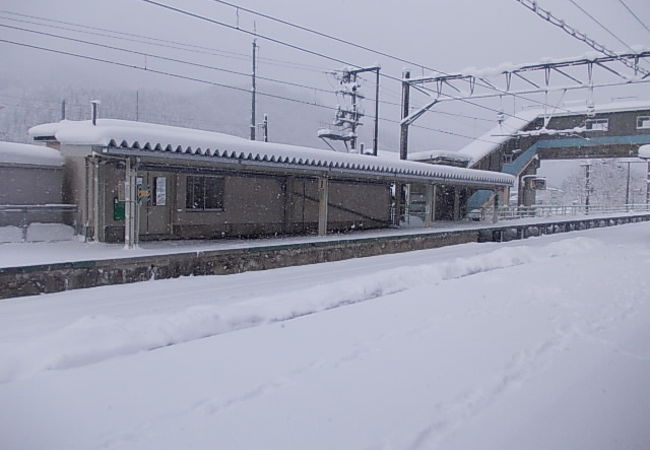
(363, 47)
(211, 67)
(222, 85)
(638, 19)
(165, 58)
(312, 52)
(600, 24)
(148, 40)
(321, 34)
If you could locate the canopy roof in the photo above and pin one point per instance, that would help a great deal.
(125, 137)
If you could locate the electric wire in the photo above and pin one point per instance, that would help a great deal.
(378, 52)
(221, 69)
(222, 85)
(600, 24)
(315, 53)
(148, 40)
(638, 19)
(166, 58)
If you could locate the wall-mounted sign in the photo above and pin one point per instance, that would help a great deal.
(160, 189)
(144, 193)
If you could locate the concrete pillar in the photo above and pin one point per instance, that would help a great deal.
(323, 194)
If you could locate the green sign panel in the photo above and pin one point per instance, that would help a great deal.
(119, 210)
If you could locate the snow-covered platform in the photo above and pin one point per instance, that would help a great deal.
(27, 269)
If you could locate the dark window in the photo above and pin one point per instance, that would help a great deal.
(597, 124)
(204, 193)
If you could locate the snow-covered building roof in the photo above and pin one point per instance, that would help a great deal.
(28, 154)
(119, 135)
(490, 141)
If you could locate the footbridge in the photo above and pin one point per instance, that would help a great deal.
(519, 144)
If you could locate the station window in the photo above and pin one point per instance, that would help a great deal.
(643, 122)
(597, 124)
(204, 193)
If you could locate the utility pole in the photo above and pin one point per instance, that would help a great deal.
(137, 105)
(375, 140)
(63, 109)
(348, 120)
(355, 111)
(587, 166)
(404, 127)
(253, 122)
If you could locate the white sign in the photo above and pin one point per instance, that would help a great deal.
(161, 191)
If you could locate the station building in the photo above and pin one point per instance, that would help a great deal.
(133, 180)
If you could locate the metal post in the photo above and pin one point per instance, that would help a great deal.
(63, 109)
(129, 202)
(456, 203)
(253, 91)
(323, 194)
(375, 140)
(403, 137)
(627, 187)
(428, 208)
(587, 187)
(647, 187)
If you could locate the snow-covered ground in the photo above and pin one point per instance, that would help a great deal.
(536, 344)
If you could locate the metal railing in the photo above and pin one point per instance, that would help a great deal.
(520, 212)
(22, 216)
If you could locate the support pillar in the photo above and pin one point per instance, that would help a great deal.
(430, 206)
(130, 206)
(496, 201)
(456, 204)
(323, 194)
(397, 206)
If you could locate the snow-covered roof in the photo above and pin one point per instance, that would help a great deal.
(126, 135)
(488, 142)
(28, 154)
(437, 154)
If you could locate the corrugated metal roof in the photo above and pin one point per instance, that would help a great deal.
(125, 135)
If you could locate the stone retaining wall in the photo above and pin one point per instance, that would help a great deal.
(39, 279)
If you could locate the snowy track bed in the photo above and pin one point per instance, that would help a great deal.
(536, 344)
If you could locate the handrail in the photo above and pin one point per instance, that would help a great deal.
(520, 212)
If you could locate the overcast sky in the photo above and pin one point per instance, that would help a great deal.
(448, 35)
